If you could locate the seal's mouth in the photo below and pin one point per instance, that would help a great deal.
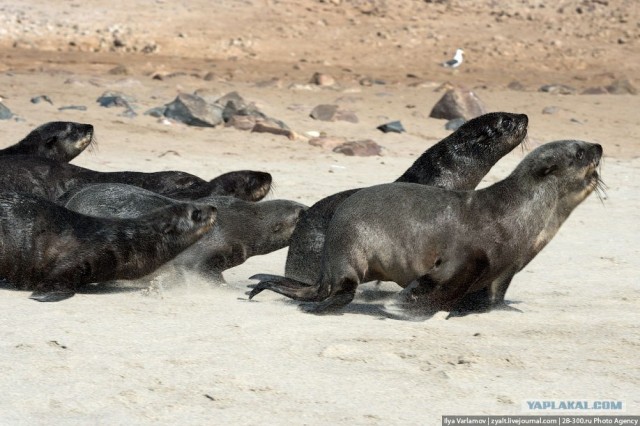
(87, 140)
(260, 192)
(593, 180)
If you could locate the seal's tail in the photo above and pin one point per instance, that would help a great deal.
(291, 288)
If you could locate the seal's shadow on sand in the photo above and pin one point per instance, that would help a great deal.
(101, 288)
(370, 301)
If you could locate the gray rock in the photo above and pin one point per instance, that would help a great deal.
(327, 112)
(622, 87)
(73, 108)
(458, 103)
(119, 70)
(115, 99)
(234, 98)
(516, 85)
(5, 113)
(194, 111)
(41, 98)
(455, 123)
(550, 110)
(561, 89)
(363, 148)
(129, 113)
(324, 112)
(263, 128)
(391, 127)
(156, 112)
(320, 79)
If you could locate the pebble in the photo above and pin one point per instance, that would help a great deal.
(362, 148)
(41, 98)
(5, 113)
(391, 127)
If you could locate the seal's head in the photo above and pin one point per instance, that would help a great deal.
(569, 165)
(184, 220)
(246, 185)
(59, 140)
(490, 136)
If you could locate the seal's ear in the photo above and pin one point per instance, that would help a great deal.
(544, 171)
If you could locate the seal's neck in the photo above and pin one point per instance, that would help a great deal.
(439, 166)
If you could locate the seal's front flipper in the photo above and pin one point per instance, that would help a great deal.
(51, 296)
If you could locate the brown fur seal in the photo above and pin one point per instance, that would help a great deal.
(53, 251)
(453, 243)
(51, 180)
(459, 161)
(57, 140)
(243, 229)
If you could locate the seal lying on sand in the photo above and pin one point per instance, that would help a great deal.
(459, 161)
(453, 242)
(52, 250)
(243, 229)
(51, 179)
(57, 140)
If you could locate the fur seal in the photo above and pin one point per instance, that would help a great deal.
(454, 243)
(52, 250)
(51, 180)
(57, 140)
(243, 229)
(459, 161)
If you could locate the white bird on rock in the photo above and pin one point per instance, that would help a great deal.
(456, 61)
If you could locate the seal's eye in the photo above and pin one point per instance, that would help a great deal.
(507, 122)
(196, 215)
(580, 154)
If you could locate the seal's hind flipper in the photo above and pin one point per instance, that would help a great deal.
(51, 296)
(286, 286)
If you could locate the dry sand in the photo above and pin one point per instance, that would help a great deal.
(202, 354)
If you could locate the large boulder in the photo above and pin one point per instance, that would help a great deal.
(194, 111)
(458, 103)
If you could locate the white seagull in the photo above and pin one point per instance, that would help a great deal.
(456, 61)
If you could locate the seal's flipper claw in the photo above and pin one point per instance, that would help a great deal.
(257, 289)
(52, 296)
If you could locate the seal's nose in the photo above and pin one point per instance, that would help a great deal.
(596, 153)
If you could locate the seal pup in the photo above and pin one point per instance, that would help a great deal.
(459, 161)
(57, 140)
(51, 180)
(243, 229)
(52, 250)
(452, 242)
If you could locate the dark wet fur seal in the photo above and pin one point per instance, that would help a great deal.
(459, 161)
(243, 229)
(53, 251)
(462, 247)
(51, 180)
(57, 140)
